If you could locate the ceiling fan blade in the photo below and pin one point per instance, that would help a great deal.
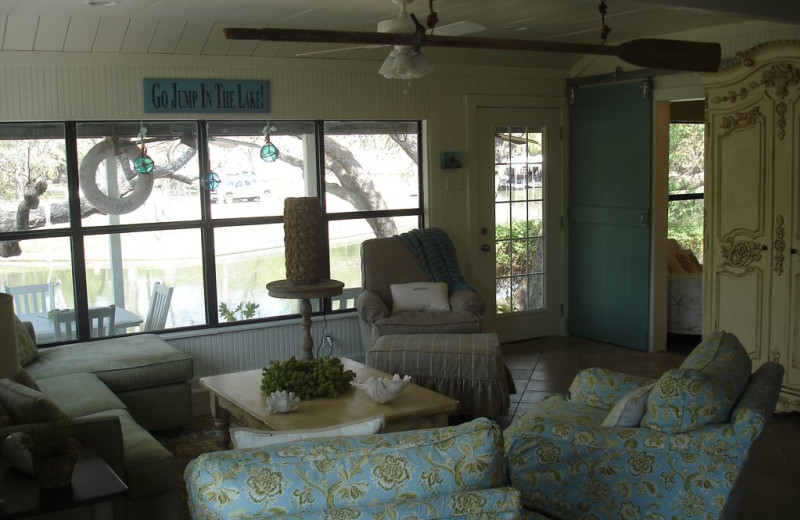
(653, 53)
(340, 49)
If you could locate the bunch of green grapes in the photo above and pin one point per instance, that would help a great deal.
(324, 377)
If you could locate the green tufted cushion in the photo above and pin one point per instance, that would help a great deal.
(703, 390)
(26, 347)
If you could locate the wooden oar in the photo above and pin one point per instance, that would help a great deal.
(650, 53)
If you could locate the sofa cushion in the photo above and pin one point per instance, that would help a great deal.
(26, 347)
(149, 466)
(80, 394)
(121, 363)
(703, 390)
(26, 405)
(427, 322)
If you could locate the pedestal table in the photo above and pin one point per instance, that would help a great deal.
(304, 292)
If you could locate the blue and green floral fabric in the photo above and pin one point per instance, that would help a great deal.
(566, 464)
(703, 390)
(451, 472)
(602, 388)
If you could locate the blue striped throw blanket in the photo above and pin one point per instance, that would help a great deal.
(436, 255)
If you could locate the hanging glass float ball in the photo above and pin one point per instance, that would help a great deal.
(269, 153)
(210, 180)
(143, 164)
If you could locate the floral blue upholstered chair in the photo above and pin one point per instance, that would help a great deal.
(627, 447)
(438, 473)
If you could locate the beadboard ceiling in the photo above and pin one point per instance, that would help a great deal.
(194, 27)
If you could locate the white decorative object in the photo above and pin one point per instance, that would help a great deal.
(383, 389)
(281, 401)
(252, 438)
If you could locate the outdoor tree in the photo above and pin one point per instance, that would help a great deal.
(685, 218)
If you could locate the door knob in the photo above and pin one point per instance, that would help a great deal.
(485, 248)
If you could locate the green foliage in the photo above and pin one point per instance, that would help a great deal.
(686, 152)
(516, 254)
(323, 377)
(245, 311)
(49, 440)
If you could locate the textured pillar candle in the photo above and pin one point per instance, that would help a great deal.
(9, 364)
(302, 239)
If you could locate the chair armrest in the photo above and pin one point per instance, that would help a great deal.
(371, 307)
(467, 300)
(103, 435)
(602, 388)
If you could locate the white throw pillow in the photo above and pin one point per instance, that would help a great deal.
(251, 438)
(16, 454)
(419, 296)
(629, 410)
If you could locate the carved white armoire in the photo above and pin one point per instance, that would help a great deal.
(752, 201)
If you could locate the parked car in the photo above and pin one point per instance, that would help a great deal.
(238, 188)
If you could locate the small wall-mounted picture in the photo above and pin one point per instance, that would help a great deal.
(452, 160)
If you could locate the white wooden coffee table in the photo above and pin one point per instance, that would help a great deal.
(239, 395)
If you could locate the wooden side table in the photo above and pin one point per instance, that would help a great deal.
(94, 484)
(289, 290)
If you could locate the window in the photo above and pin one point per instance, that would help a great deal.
(686, 186)
(79, 218)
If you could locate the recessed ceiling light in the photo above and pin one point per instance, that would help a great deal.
(102, 3)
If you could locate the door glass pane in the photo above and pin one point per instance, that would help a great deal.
(519, 218)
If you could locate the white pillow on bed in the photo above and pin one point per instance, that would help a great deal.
(419, 296)
(252, 438)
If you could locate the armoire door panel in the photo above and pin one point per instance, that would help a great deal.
(743, 185)
(738, 312)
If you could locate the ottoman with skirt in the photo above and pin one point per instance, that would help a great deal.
(466, 367)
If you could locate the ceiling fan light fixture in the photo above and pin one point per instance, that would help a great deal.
(386, 67)
(401, 68)
(420, 65)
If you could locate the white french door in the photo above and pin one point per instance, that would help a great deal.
(520, 266)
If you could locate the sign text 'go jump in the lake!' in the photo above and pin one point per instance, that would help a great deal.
(205, 95)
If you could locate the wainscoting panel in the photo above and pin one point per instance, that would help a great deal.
(249, 347)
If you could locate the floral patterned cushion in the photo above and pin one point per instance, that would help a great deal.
(437, 473)
(703, 390)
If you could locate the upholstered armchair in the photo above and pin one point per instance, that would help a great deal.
(388, 261)
(621, 446)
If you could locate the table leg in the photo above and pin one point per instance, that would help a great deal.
(308, 343)
(222, 423)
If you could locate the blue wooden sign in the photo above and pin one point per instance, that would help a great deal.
(164, 95)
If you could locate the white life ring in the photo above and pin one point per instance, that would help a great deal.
(110, 205)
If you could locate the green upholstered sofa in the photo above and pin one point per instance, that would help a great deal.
(685, 454)
(114, 391)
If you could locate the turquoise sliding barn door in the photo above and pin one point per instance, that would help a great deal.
(609, 215)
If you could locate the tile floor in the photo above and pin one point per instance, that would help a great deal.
(544, 366)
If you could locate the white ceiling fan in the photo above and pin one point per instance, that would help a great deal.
(403, 24)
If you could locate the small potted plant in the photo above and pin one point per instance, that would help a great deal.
(53, 453)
